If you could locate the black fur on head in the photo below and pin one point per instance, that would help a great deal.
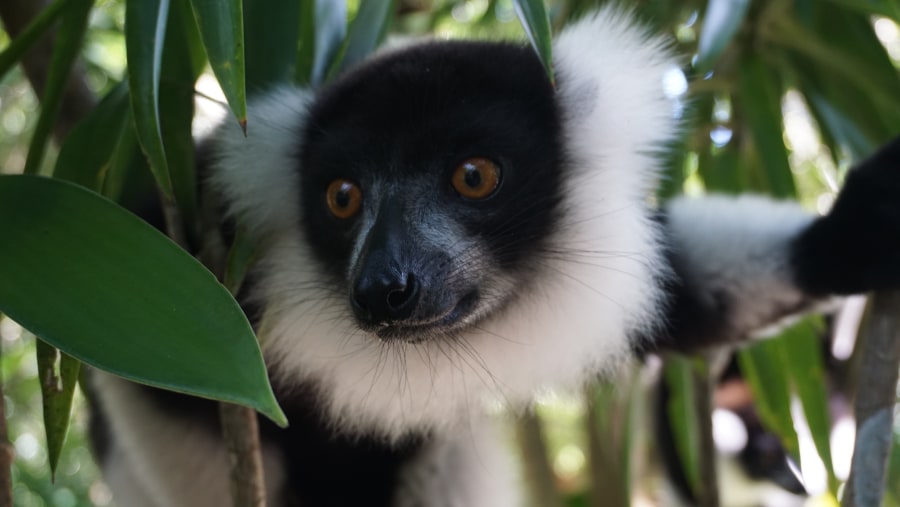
(419, 256)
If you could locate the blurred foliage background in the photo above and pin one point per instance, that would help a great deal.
(777, 96)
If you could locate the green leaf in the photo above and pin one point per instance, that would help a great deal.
(760, 101)
(325, 32)
(680, 378)
(222, 30)
(366, 32)
(84, 156)
(534, 20)
(58, 375)
(176, 114)
(802, 352)
(887, 8)
(766, 373)
(241, 255)
(270, 42)
(65, 50)
(31, 34)
(720, 22)
(145, 29)
(103, 286)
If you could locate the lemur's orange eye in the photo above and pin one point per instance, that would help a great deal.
(476, 178)
(344, 198)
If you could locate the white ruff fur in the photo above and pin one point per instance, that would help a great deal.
(574, 325)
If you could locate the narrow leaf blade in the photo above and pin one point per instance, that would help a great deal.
(221, 24)
(536, 23)
(88, 148)
(145, 29)
(366, 32)
(58, 377)
(720, 23)
(100, 284)
(65, 51)
(761, 105)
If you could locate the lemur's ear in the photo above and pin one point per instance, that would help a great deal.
(856, 247)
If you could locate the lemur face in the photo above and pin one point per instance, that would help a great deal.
(430, 181)
(444, 228)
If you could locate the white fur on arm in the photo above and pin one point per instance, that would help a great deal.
(733, 255)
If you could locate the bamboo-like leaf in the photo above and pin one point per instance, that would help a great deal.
(802, 349)
(103, 286)
(145, 29)
(720, 22)
(271, 34)
(176, 113)
(761, 105)
(329, 29)
(533, 16)
(58, 374)
(125, 155)
(241, 256)
(221, 24)
(366, 32)
(679, 377)
(86, 152)
(765, 372)
(31, 34)
(893, 477)
(68, 43)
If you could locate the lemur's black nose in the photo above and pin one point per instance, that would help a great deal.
(385, 297)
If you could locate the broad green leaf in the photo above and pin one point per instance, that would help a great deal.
(58, 374)
(533, 16)
(327, 30)
(760, 102)
(176, 113)
(84, 156)
(802, 352)
(766, 373)
(680, 411)
(271, 34)
(103, 286)
(720, 22)
(366, 32)
(222, 30)
(68, 43)
(145, 30)
(31, 34)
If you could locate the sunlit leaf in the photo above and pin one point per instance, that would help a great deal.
(222, 30)
(533, 16)
(764, 369)
(103, 286)
(720, 22)
(761, 105)
(65, 50)
(145, 29)
(58, 375)
(802, 349)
